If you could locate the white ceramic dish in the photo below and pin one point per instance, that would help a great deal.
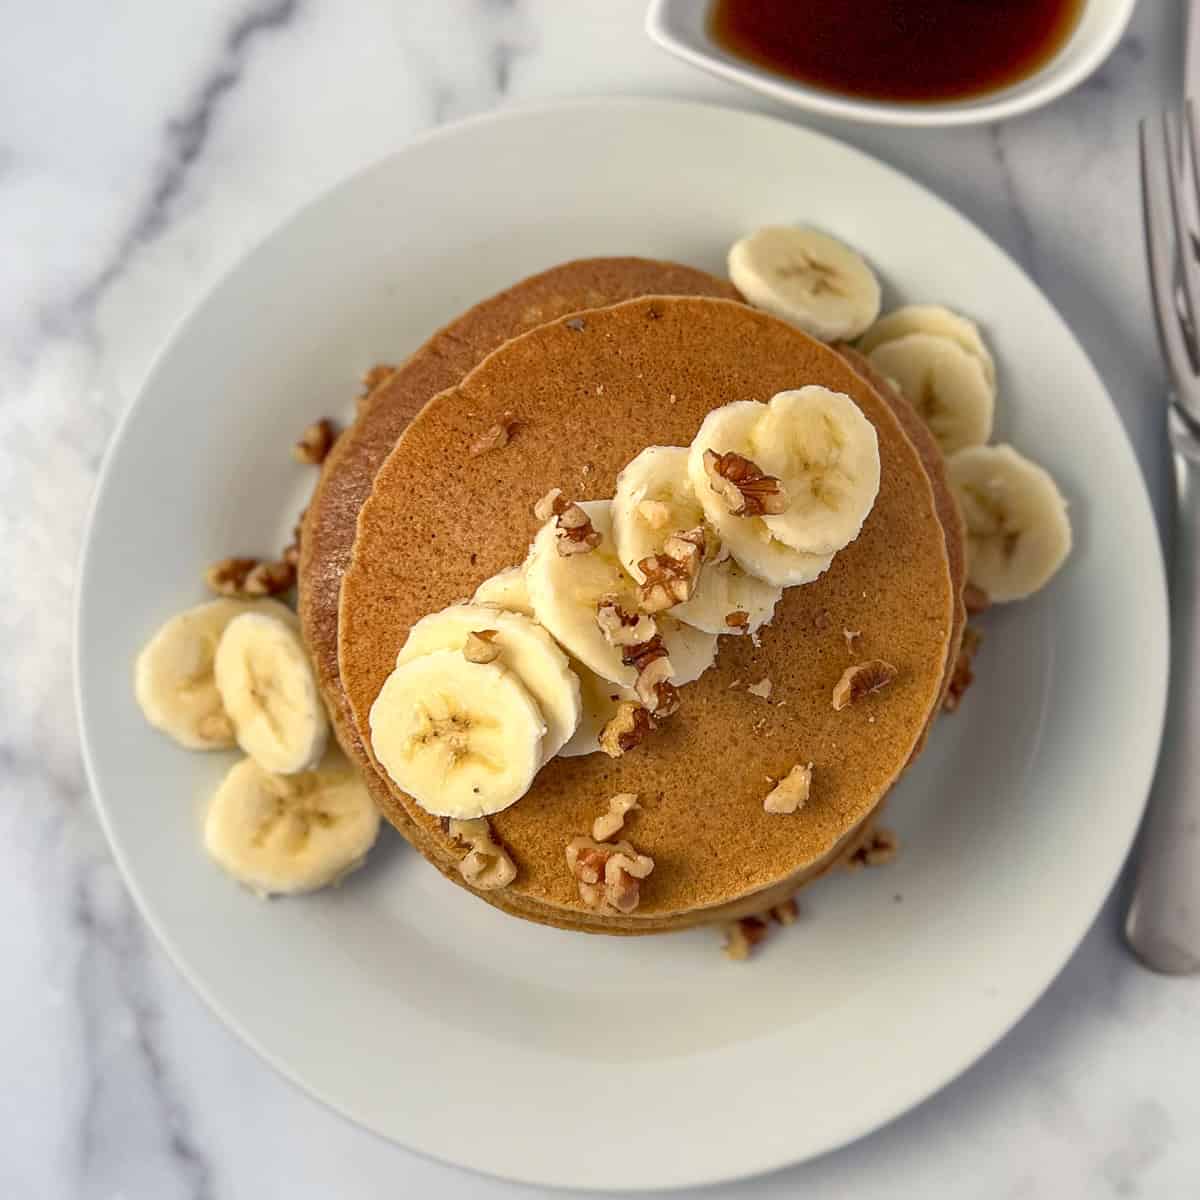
(518, 1050)
(681, 27)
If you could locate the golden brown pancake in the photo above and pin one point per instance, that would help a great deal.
(589, 394)
(349, 470)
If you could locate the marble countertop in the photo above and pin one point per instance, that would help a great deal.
(143, 148)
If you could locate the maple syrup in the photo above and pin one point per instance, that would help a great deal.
(907, 50)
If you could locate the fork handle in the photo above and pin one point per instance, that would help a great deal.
(1163, 925)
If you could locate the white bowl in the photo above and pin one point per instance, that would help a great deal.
(681, 27)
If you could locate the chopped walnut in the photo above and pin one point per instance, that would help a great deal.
(621, 627)
(631, 725)
(573, 529)
(496, 438)
(851, 636)
(655, 513)
(613, 821)
(653, 685)
(963, 674)
(670, 577)
(487, 864)
(609, 874)
(876, 848)
(747, 492)
(976, 600)
(480, 646)
(228, 577)
(861, 680)
(291, 552)
(738, 621)
(743, 935)
(761, 689)
(270, 578)
(315, 442)
(790, 794)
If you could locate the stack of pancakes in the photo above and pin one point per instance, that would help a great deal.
(596, 360)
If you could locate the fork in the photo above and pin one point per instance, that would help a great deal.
(1163, 924)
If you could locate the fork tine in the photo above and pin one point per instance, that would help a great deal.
(1161, 259)
(1189, 272)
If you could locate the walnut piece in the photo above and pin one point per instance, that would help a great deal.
(291, 552)
(487, 865)
(851, 636)
(670, 576)
(877, 847)
(228, 577)
(761, 689)
(573, 531)
(861, 680)
(630, 726)
(480, 646)
(497, 437)
(743, 935)
(653, 686)
(790, 794)
(315, 442)
(976, 600)
(270, 578)
(963, 674)
(621, 627)
(612, 821)
(738, 621)
(656, 513)
(609, 874)
(747, 492)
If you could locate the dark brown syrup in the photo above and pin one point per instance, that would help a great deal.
(906, 50)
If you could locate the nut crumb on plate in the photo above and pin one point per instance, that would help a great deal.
(874, 850)
(743, 935)
(228, 576)
(315, 442)
(963, 674)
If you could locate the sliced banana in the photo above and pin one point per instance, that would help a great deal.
(826, 455)
(525, 648)
(655, 499)
(566, 590)
(946, 384)
(281, 834)
(934, 319)
(269, 690)
(749, 539)
(808, 278)
(462, 739)
(173, 677)
(600, 698)
(1018, 532)
(506, 589)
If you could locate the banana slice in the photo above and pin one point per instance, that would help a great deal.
(270, 693)
(946, 384)
(566, 590)
(808, 278)
(1018, 533)
(506, 590)
(283, 834)
(655, 499)
(826, 454)
(525, 648)
(734, 428)
(463, 739)
(933, 319)
(173, 677)
(600, 698)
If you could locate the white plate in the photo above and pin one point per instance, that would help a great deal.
(551, 1057)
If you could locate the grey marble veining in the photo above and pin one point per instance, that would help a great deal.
(142, 150)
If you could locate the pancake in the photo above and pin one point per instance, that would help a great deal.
(589, 395)
(349, 470)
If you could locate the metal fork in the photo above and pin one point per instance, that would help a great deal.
(1163, 925)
